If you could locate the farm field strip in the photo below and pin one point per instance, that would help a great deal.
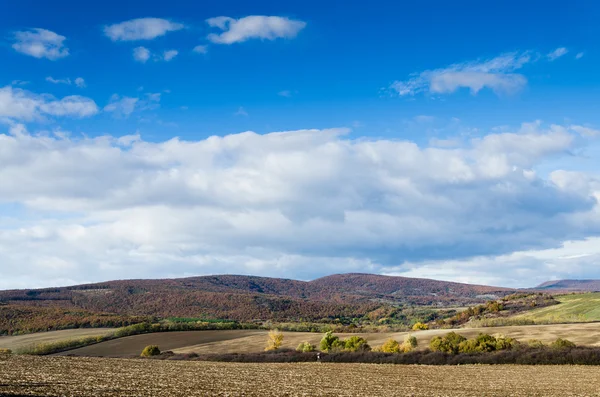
(248, 341)
(74, 376)
(18, 341)
(572, 308)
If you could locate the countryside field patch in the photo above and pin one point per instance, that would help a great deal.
(19, 341)
(572, 309)
(73, 376)
(249, 341)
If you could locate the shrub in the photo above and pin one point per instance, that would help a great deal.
(329, 341)
(390, 346)
(535, 343)
(483, 343)
(306, 347)
(275, 340)
(504, 343)
(149, 351)
(447, 344)
(420, 327)
(356, 343)
(410, 343)
(562, 344)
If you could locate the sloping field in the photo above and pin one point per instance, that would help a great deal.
(16, 342)
(62, 376)
(247, 341)
(133, 345)
(572, 309)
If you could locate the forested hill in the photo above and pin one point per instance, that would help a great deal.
(570, 285)
(247, 298)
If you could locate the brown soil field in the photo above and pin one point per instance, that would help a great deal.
(133, 345)
(76, 376)
(247, 341)
(16, 342)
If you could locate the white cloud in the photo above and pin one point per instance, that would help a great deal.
(80, 82)
(559, 52)
(496, 74)
(579, 55)
(125, 106)
(241, 112)
(40, 43)
(285, 93)
(141, 29)
(141, 54)
(169, 55)
(20, 104)
(19, 82)
(297, 204)
(121, 106)
(570, 260)
(585, 131)
(253, 27)
(73, 105)
(58, 81)
(200, 49)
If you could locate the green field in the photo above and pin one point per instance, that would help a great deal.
(578, 308)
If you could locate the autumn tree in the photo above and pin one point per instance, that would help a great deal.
(274, 341)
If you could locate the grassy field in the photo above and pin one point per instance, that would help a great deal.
(572, 309)
(61, 376)
(248, 341)
(17, 342)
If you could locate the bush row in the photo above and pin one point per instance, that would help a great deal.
(525, 356)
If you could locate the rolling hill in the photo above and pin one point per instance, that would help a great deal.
(570, 285)
(249, 298)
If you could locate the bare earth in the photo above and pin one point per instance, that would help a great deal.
(75, 376)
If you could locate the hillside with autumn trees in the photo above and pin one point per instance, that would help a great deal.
(233, 298)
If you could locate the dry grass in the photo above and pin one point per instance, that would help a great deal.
(253, 341)
(20, 341)
(66, 376)
(250, 341)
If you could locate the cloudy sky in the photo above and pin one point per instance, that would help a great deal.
(299, 139)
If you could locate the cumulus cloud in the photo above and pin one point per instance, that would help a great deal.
(297, 204)
(141, 54)
(80, 82)
(253, 27)
(141, 29)
(19, 104)
(40, 43)
(579, 55)
(559, 52)
(496, 74)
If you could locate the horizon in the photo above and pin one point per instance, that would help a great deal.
(299, 140)
(293, 279)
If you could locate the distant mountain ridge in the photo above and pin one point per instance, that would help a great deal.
(571, 285)
(247, 298)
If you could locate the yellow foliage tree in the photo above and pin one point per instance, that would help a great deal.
(420, 327)
(390, 346)
(275, 340)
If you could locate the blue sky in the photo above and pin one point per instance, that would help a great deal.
(441, 103)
